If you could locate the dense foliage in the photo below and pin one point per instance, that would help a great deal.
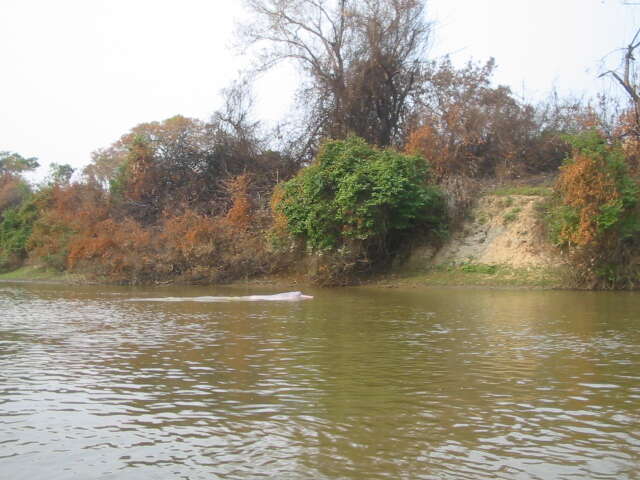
(15, 229)
(362, 62)
(17, 211)
(178, 199)
(217, 200)
(596, 219)
(358, 200)
(470, 130)
(14, 163)
(182, 162)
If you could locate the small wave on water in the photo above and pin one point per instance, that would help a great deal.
(278, 297)
(383, 384)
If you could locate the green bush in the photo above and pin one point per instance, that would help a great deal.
(357, 201)
(15, 229)
(595, 214)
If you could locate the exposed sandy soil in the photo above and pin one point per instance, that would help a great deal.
(500, 230)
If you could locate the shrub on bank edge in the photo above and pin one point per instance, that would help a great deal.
(596, 216)
(354, 203)
(15, 228)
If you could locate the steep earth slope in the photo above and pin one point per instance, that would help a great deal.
(499, 230)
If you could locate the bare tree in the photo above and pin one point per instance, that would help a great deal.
(628, 79)
(362, 60)
(236, 112)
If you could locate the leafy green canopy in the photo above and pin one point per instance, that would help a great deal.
(355, 192)
(13, 163)
(15, 229)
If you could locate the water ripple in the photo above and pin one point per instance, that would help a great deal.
(354, 384)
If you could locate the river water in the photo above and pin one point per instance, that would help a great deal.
(355, 384)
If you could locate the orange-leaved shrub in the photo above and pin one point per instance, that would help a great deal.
(183, 245)
(467, 127)
(596, 216)
(65, 211)
(119, 251)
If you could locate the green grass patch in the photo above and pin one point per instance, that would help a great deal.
(38, 273)
(483, 268)
(524, 190)
(484, 275)
(482, 218)
(506, 202)
(511, 215)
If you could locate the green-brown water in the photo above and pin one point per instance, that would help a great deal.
(354, 384)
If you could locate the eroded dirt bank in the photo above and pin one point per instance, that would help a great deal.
(502, 241)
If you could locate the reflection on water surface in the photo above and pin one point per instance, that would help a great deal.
(357, 383)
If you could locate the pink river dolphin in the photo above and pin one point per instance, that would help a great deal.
(278, 297)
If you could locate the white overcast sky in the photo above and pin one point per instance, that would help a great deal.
(77, 74)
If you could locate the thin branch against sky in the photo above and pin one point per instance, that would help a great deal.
(78, 74)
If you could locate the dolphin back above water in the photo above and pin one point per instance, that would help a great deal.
(278, 297)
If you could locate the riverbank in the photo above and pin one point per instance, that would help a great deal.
(468, 275)
(501, 244)
(477, 275)
(38, 274)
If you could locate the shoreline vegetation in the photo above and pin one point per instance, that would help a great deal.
(495, 276)
(431, 175)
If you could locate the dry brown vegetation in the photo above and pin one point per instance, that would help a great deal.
(201, 201)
